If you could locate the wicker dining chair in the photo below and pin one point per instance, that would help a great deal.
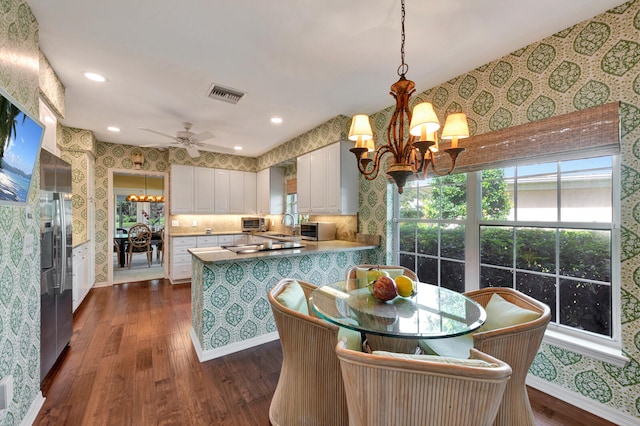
(517, 345)
(310, 390)
(140, 242)
(400, 389)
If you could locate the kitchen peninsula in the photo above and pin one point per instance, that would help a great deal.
(229, 307)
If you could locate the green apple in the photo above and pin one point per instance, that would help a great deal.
(374, 274)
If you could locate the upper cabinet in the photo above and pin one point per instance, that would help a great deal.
(242, 192)
(328, 181)
(270, 189)
(182, 189)
(204, 190)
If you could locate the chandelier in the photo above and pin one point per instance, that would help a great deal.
(141, 198)
(412, 151)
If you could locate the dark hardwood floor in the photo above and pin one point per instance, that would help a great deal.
(131, 362)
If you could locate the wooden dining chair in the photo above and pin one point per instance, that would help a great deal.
(360, 272)
(517, 345)
(310, 390)
(399, 389)
(140, 242)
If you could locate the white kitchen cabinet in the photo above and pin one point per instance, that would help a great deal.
(225, 240)
(180, 266)
(318, 181)
(270, 189)
(242, 192)
(250, 193)
(203, 190)
(221, 192)
(328, 181)
(81, 278)
(207, 241)
(182, 195)
(304, 183)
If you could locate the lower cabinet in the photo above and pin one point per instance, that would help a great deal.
(180, 265)
(81, 281)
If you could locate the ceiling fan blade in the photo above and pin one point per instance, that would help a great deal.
(202, 136)
(159, 133)
(193, 152)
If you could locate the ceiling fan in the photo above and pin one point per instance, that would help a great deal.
(190, 141)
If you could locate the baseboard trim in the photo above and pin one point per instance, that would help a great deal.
(102, 284)
(33, 411)
(229, 349)
(594, 407)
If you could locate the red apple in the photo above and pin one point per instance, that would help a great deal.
(384, 288)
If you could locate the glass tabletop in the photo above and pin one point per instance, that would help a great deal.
(433, 312)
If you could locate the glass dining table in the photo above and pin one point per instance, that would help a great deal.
(431, 313)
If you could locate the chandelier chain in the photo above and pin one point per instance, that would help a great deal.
(403, 68)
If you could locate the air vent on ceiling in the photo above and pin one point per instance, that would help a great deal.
(225, 94)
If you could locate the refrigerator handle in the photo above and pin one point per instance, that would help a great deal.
(62, 247)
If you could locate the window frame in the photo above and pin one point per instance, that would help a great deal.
(604, 348)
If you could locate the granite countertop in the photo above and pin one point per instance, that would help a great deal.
(204, 234)
(217, 254)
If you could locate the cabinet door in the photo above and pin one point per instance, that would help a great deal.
(303, 175)
(182, 195)
(249, 194)
(262, 188)
(332, 180)
(319, 181)
(221, 192)
(75, 281)
(235, 191)
(203, 189)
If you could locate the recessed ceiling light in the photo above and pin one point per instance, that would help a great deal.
(95, 77)
(276, 120)
(113, 129)
(237, 148)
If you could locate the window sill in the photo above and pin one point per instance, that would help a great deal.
(591, 349)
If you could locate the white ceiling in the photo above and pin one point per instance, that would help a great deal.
(305, 61)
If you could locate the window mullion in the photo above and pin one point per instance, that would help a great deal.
(472, 231)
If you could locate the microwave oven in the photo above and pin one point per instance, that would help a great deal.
(318, 231)
(258, 224)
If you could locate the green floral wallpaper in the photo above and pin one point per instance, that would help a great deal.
(592, 63)
(232, 305)
(77, 147)
(327, 133)
(51, 87)
(20, 273)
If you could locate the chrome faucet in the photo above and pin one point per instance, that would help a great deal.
(294, 225)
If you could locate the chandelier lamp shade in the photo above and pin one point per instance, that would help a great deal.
(411, 138)
(141, 198)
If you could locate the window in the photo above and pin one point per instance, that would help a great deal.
(547, 230)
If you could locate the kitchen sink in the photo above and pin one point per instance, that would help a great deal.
(254, 248)
(278, 235)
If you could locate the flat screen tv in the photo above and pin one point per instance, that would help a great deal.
(20, 139)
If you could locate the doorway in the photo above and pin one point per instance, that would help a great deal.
(126, 211)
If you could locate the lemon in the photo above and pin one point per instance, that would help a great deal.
(406, 286)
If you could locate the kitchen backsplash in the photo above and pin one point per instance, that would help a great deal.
(346, 226)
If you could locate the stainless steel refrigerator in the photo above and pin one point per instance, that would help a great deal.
(56, 274)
